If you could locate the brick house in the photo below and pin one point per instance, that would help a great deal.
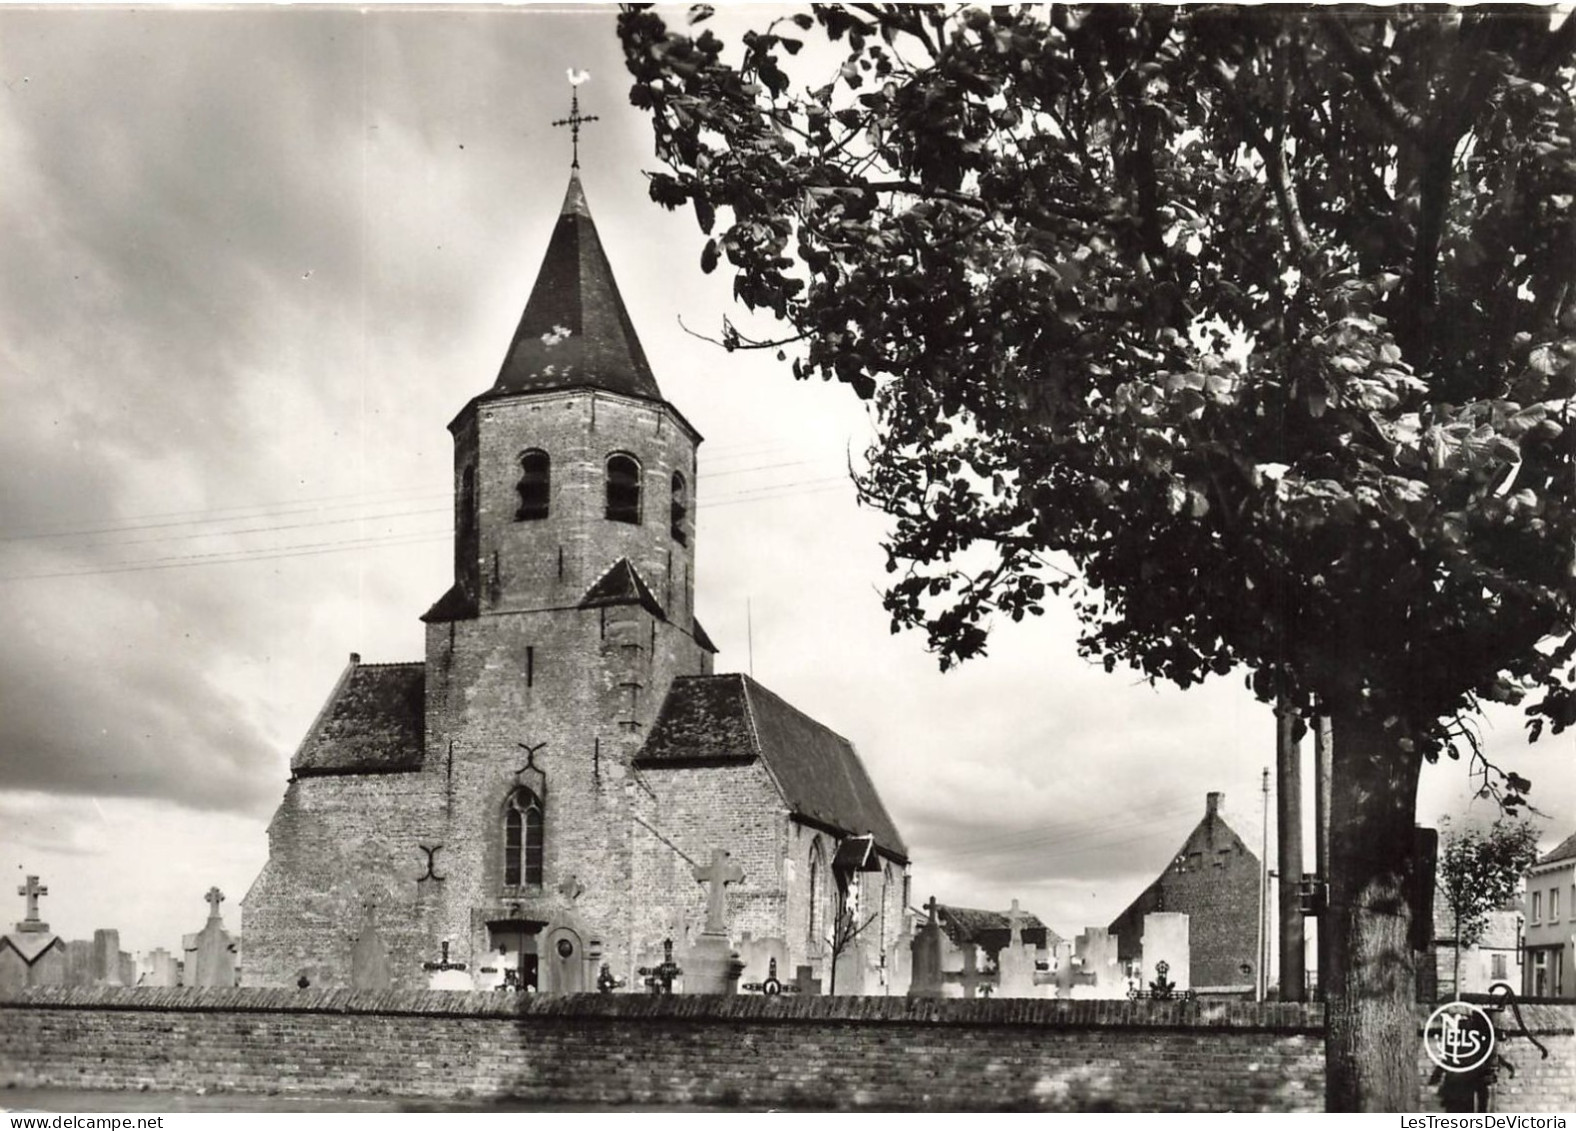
(1214, 880)
(539, 790)
(1549, 966)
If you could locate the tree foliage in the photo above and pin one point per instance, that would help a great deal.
(1480, 870)
(1253, 329)
(1262, 319)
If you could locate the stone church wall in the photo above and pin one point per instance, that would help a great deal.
(891, 1054)
(335, 843)
(700, 809)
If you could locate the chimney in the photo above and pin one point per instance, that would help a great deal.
(355, 658)
(1212, 803)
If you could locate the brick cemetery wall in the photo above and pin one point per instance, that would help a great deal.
(879, 1053)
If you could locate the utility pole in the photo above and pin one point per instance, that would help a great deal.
(1261, 979)
(1321, 843)
(1288, 827)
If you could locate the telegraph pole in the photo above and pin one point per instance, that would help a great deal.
(1261, 979)
(1288, 827)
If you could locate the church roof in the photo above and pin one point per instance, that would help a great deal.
(575, 331)
(453, 605)
(1565, 850)
(622, 585)
(372, 723)
(731, 718)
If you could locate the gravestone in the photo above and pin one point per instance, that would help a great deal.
(447, 973)
(900, 963)
(925, 958)
(79, 962)
(975, 982)
(1015, 963)
(210, 961)
(851, 969)
(32, 954)
(106, 957)
(1166, 940)
(710, 966)
(805, 983)
(563, 961)
(758, 956)
(1101, 974)
(369, 958)
(159, 969)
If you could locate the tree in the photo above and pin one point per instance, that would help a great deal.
(1250, 329)
(1479, 872)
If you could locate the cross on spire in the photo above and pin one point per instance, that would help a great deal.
(575, 119)
(32, 890)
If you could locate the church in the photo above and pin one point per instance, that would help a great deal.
(537, 796)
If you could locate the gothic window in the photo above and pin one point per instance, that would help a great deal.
(680, 509)
(817, 895)
(535, 485)
(522, 840)
(623, 488)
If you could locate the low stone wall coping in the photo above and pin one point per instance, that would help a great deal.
(1278, 1017)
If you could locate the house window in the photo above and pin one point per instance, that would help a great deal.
(1498, 973)
(1554, 905)
(1539, 979)
(522, 840)
(680, 510)
(623, 489)
(1537, 908)
(535, 486)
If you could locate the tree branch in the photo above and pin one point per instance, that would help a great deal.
(1407, 123)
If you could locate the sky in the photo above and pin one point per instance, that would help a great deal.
(251, 264)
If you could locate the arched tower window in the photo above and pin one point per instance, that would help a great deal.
(623, 488)
(817, 895)
(522, 840)
(535, 486)
(680, 510)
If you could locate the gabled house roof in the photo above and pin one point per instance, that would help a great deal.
(1565, 850)
(373, 722)
(992, 930)
(731, 718)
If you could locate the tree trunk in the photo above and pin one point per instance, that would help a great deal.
(1371, 1039)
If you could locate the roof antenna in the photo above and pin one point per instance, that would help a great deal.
(749, 630)
(575, 119)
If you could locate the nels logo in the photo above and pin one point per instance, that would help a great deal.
(1459, 1037)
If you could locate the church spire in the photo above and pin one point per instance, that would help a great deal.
(575, 331)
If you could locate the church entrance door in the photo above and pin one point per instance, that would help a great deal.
(513, 946)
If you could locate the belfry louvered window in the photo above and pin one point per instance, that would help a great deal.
(623, 488)
(535, 486)
(522, 840)
(680, 510)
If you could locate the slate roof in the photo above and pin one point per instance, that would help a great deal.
(453, 605)
(575, 331)
(373, 723)
(622, 585)
(731, 718)
(1565, 850)
(968, 926)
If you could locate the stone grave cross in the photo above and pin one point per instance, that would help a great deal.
(719, 873)
(32, 890)
(1014, 925)
(214, 898)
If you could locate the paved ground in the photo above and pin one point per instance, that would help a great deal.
(84, 1100)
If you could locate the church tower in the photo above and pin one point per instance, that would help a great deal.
(571, 612)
